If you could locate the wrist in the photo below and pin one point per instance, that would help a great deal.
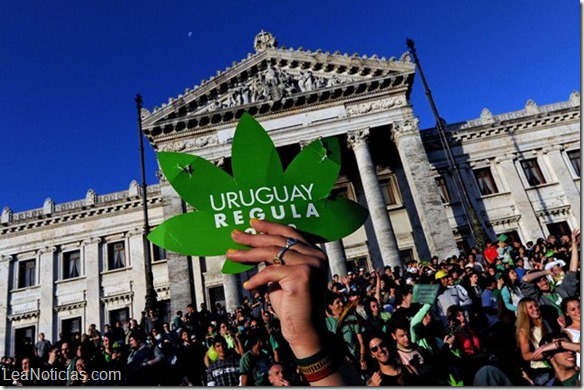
(308, 343)
(318, 366)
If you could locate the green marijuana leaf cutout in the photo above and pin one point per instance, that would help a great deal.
(453, 382)
(259, 188)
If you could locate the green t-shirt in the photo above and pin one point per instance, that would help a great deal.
(255, 367)
(349, 330)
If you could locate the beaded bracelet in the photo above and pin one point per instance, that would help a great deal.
(318, 366)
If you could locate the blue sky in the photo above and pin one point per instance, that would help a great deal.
(69, 70)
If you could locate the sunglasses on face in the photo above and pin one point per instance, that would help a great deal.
(377, 347)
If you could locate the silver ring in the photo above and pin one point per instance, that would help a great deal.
(290, 242)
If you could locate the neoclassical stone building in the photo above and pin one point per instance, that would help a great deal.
(68, 265)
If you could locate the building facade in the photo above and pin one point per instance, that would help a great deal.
(65, 266)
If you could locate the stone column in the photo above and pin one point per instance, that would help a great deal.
(137, 258)
(231, 286)
(198, 281)
(336, 256)
(425, 193)
(47, 262)
(93, 279)
(377, 209)
(179, 270)
(4, 303)
(558, 166)
(529, 223)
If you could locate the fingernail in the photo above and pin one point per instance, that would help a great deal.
(253, 220)
(231, 251)
(236, 232)
(245, 284)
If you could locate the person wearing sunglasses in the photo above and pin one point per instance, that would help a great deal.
(387, 372)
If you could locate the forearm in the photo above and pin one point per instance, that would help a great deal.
(527, 278)
(570, 346)
(574, 258)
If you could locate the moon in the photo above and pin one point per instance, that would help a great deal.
(190, 34)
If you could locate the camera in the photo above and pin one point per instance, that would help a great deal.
(454, 327)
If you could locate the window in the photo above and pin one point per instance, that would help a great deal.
(512, 236)
(116, 255)
(559, 229)
(406, 255)
(532, 172)
(71, 264)
(24, 339)
(344, 190)
(158, 253)
(70, 326)
(443, 189)
(356, 263)
(574, 157)
(122, 315)
(462, 246)
(389, 190)
(217, 295)
(485, 181)
(26, 273)
(165, 314)
(339, 192)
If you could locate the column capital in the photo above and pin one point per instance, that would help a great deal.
(160, 176)
(219, 162)
(406, 127)
(357, 137)
(305, 142)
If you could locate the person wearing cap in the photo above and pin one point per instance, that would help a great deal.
(556, 266)
(449, 294)
(537, 286)
(560, 352)
(342, 321)
(503, 250)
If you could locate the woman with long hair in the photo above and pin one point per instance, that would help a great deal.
(571, 309)
(465, 337)
(511, 293)
(530, 327)
(386, 371)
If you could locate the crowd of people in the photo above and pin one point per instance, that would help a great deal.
(502, 315)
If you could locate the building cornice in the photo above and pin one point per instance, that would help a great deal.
(512, 123)
(33, 220)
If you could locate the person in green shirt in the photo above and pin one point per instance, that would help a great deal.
(254, 364)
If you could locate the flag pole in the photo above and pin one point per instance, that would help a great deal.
(477, 229)
(151, 301)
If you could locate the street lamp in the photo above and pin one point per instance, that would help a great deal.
(476, 228)
(151, 301)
